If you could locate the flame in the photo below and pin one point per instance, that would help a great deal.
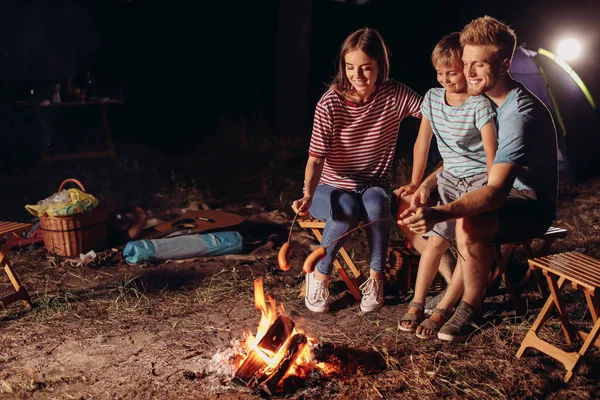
(268, 314)
(270, 310)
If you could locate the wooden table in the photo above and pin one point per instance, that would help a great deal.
(102, 104)
(584, 273)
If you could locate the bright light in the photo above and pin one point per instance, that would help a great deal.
(568, 49)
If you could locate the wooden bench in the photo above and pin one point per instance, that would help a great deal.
(584, 273)
(12, 229)
(357, 278)
(502, 254)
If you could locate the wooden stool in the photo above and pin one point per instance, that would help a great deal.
(502, 254)
(354, 282)
(584, 273)
(12, 229)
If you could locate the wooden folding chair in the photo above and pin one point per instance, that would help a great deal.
(316, 226)
(502, 254)
(584, 273)
(12, 229)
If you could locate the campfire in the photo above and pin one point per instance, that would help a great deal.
(279, 355)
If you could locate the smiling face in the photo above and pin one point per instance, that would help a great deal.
(452, 78)
(482, 68)
(361, 71)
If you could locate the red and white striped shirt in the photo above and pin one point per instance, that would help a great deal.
(358, 141)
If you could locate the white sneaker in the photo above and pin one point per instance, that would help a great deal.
(372, 295)
(317, 294)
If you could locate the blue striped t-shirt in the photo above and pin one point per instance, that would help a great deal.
(458, 131)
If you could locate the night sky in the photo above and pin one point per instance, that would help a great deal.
(184, 66)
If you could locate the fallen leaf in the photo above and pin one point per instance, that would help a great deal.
(5, 387)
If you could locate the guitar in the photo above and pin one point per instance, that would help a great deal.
(195, 222)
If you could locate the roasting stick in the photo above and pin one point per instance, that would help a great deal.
(283, 258)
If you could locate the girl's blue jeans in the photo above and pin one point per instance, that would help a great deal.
(343, 210)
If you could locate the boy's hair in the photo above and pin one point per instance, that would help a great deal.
(448, 51)
(488, 30)
(371, 43)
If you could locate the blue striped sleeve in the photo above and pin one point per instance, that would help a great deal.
(426, 105)
(483, 113)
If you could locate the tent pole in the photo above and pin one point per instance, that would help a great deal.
(553, 99)
(571, 73)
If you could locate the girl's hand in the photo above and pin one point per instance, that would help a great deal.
(302, 205)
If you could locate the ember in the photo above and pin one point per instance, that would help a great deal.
(278, 351)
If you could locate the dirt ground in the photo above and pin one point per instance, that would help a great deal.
(111, 330)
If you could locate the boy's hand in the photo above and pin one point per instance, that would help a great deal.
(302, 205)
(420, 197)
(406, 190)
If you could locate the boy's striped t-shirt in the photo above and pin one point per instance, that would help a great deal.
(458, 131)
(358, 141)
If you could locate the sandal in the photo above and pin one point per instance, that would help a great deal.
(432, 325)
(413, 318)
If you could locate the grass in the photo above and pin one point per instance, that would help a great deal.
(218, 287)
(53, 300)
(131, 295)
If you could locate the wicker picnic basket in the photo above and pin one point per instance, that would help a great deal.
(77, 233)
(402, 267)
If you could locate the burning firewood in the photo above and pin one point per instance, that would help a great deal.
(251, 371)
(293, 350)
(277, 334)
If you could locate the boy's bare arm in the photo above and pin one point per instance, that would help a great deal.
(420, 151)
(428, 186)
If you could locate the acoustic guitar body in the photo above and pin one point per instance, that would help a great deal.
(195, 222)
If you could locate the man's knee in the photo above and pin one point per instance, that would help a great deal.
(476, 229)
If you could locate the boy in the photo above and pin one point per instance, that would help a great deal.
(466, 135)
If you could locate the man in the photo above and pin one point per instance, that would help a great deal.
(520, 198)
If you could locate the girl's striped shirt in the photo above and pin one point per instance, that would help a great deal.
(358, 141)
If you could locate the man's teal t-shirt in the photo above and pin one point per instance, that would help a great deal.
(527, 137)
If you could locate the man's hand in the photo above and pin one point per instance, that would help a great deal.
(302, 205)
(406, 190)
(418, 219)
(420, 197)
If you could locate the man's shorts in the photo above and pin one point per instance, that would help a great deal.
(451, 188)
(522, 217)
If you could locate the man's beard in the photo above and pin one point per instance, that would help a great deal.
(475, 91)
